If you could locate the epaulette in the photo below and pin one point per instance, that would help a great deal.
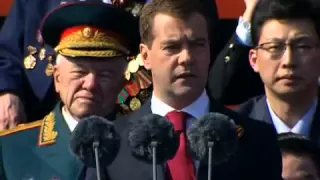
(21, 127)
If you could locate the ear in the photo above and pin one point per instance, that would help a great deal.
(253, 60)
(144, 52)
(56, 78)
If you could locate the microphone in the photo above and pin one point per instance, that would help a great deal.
(213, 139)
(152, 139)
(95, 140)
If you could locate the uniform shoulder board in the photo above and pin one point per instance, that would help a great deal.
(21, 127)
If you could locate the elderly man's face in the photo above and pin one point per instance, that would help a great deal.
(89, 85)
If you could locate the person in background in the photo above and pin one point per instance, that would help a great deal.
(285, 36)
(88, 74)
(231, 79)
(175, 48)
(300, 157)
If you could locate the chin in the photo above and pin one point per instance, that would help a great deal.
(184, 91)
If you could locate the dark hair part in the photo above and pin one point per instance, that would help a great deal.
(282, 10)
(299, 145)
(181, 9)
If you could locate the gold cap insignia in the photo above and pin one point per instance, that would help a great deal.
(90, 41)
(87, 32)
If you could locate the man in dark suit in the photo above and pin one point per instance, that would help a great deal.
(92, 50)
(25, 76)
(175, 47)
(286, 40)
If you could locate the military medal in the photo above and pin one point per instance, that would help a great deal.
(139, 60)
(135, 104)
(143, 95)
(50, 67)
(29, 62)
(32, 50)
(125, 108)
(133, 66)
(127, 75)
(42, 54)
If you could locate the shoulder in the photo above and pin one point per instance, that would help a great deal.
(248, 106)
(21, 128)
(27, 126)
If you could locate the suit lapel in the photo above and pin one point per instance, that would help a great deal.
(54, 149)
(261, 111)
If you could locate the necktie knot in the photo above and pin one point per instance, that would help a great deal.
(178, 119)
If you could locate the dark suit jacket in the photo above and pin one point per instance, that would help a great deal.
(39, 151)
(257, 157)
(231, 79)
(19, 31)
(257, 108)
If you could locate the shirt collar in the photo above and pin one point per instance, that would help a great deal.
(196, 109)
(303, 125)
(71, 122)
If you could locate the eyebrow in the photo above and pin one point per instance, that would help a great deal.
(295, 38)
(176, 40)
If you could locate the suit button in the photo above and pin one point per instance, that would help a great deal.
(231, 46)
(227, 59)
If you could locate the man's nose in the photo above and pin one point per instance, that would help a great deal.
(90, 81)
(185, 56)
(288, 58)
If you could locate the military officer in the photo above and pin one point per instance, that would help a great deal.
(25, 62)
(92, 48)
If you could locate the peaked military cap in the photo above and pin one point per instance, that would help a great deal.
(91, 29)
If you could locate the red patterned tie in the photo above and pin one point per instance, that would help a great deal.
(181, 166)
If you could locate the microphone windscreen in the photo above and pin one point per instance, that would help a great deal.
(215, 127)
(95, 129)
(150, 128)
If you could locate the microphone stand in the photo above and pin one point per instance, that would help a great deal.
(154, 145)
(95, 146)
(210, 145)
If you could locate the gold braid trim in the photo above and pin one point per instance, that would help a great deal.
(90, 40)
(47, 133)
(21, 127)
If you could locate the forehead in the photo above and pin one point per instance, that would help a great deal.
(166, 26)
(93, 62)
(297, 166)
(288, 29)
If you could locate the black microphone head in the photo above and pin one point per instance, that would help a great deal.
(217, 128)
(95, 129)
(150, 128)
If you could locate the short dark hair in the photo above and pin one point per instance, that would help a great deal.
(181, 9)
(299, 145)
(282, 10)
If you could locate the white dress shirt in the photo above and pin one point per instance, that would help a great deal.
(197, 109)
(303, 125)
(71, 122)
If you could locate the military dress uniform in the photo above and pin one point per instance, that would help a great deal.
(26, 61)
(40, 150)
